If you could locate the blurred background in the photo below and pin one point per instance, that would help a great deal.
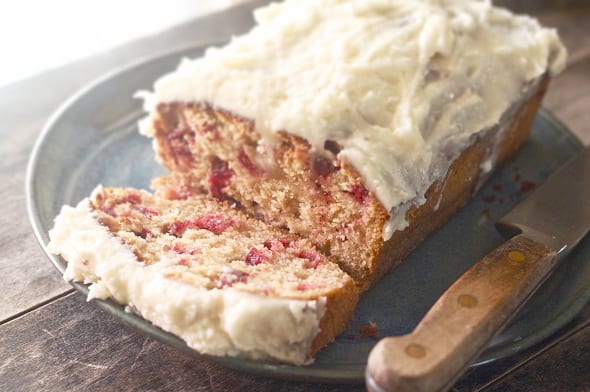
(37, 35)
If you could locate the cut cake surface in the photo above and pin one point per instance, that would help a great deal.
(225, 283)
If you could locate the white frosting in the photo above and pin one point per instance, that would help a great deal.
(216, 322)
(401, 85)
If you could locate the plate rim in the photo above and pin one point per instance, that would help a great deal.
(288, 372)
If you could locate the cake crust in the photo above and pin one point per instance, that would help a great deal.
(464, 178)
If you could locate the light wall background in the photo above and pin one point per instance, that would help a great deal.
(37, 35)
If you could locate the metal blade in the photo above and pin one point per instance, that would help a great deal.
(558, 212)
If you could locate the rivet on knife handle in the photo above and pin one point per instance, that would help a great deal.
(461, 323)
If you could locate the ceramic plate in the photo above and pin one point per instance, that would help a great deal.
(93, 139)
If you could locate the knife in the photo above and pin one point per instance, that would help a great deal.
(544, 228)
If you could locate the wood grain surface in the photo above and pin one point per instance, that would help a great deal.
(51, 339)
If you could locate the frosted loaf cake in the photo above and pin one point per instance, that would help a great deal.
(355, 127)
(361, 125)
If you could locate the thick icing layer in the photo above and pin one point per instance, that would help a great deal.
(216, 322)
(401, 85)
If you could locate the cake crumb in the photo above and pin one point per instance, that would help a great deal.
(369, 331)
(486, 216)
(527, 186)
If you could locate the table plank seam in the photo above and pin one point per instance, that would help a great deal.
(541, 351)
(35, 307)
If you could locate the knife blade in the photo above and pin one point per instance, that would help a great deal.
(557, 214)
(543, 229)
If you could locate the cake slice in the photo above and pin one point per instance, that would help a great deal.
(202, 270)
(361, 125)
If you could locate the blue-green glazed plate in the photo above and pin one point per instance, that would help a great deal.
(93, 139)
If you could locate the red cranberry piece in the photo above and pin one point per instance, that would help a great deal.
(255, 257)
(177, 248)
(215, 223)
(268, 244)
(132, 198)
(109, 211)
(286, 242)
(302, 287)
(210, 128)
(177, 228)
(312, 258)
(323, 166)
(183, 262)
(277, 245)
(359, 193)
(180, 250)
(145, 210)
(178, 144)
(219, 177)
(244, 159)
(228, 278)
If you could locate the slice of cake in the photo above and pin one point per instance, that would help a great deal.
(225, 283)
(361, 125)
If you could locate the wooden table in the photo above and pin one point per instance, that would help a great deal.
(50, 339)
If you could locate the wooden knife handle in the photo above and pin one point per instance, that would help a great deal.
(462, 322)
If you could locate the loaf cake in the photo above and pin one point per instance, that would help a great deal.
(305, 159)
(360, 125)
(225, 283)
